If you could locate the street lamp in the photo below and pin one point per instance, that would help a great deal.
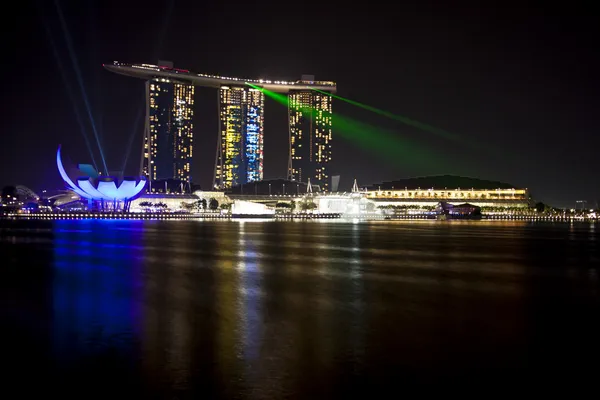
(269, 189)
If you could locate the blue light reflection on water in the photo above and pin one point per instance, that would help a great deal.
(299, 310)
(95, 289)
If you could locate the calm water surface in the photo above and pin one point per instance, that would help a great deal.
(264, 310)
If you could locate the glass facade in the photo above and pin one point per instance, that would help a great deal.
(168, 140)
(310, 117)
(240, 145)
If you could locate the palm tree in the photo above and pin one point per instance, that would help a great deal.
(197, 206)
(307, 205)
(146, 205)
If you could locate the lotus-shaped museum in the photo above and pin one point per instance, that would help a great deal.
(99, 188)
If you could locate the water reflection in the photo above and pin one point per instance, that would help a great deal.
(301, 310)
(96, 309)
(249, 303)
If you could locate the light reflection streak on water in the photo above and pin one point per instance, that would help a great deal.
(249, 301)
(357, 328)
(178, 331)
(228, 343)
(260, 239)
(257, 309)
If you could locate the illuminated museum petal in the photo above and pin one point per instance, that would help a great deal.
(66, 178)
(108, 188)
(126, 188)
(139, 187)
(92, 192)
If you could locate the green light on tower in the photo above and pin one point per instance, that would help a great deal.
(405, 120)
(395, 149)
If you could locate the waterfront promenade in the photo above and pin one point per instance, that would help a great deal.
(279, 216)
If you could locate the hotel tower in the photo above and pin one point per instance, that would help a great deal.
(239, 158)
(168, 145)
(168, 137)
(310, 135)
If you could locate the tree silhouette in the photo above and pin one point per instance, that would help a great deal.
(309, 205)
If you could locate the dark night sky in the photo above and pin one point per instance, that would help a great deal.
(522, 83)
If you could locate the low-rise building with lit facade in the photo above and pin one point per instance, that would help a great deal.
(430, 191)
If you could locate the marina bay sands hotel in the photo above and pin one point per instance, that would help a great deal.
(168, 139)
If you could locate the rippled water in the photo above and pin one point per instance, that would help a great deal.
(256, 310)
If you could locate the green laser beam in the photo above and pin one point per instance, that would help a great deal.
(470, 143)
(383, 143)
(280, 98)
(405, 120)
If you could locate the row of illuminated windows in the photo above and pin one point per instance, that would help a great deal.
(474, 194)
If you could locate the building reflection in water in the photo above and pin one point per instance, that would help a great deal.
(312, 311)
(249, 291)
(356, 297)
(179, 300)
(224, 264)
(174, 295)
(95, 296)
(224, 309)
(249, 307)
